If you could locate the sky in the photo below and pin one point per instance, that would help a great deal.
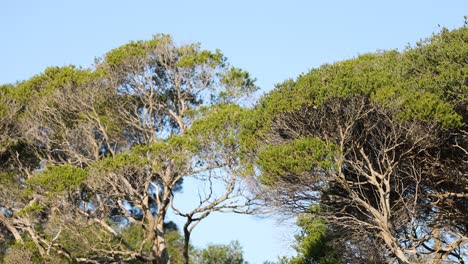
(273, 40)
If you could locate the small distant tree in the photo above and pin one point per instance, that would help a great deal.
(221, 254)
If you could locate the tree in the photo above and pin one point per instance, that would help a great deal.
(221, 254)
(104, 149)
(378, 143)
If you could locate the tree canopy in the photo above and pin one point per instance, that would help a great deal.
(374, 148)
(369, 153)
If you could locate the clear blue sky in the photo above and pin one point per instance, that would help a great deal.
(273, 40)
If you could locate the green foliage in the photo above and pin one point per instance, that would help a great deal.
(109, 122)
(297, 158)
(7, 178)
(119, 161)
(188, 56)
(280, 260)
(58, 179)
(133, 235)
(119, 56)
(26, 99)
(175, 246)
(192, 56)
(27, 253)
(313, 243)
(177, 149)
(219, 124)
(52, 79)
(187, 72)
(6, 91)
(427, 106)
(439, 65)
(238, 82)
(90, 237)
(222, 254)
(31, 209)
(423, 83)
(23, 253)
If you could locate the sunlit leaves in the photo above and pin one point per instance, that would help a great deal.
(57, 179)
(238, 83)
(425, 83)
(299, 158)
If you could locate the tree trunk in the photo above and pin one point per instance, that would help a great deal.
(186, 244)
(160, 247)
